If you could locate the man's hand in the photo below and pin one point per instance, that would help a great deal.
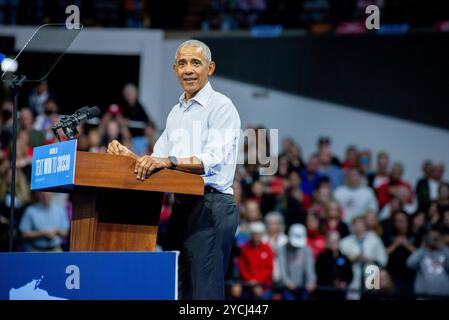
(49, 234)
(258, 291)
(401, 240)
(340, 284)
(146, 165)
(362, 259)
(3, 220)
(290, 285)
(115, 147)
(311, 286)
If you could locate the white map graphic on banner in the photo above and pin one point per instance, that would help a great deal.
(31, 291)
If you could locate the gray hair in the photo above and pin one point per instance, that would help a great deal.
(276, 215)
(196, 44)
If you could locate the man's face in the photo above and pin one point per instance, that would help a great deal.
(383, 163)
(333, 241)
(324, 194)
(437, 171)
(149, 131)
(325, 156)
(354, 178)
(427, 168)
(324, 143)
(113, 129)
(333, 210)
(294, 179)
(42, 87)
(26, 118)
(130, 95)
(252, 212)
(434, 240)
(257, 189)
(256, 238)
(401, 222)
(51, 107)
(359, 227)
(312, 222)
(273, 225)
(192, 69)
(396, 172)
(313, 164)
(45, 198)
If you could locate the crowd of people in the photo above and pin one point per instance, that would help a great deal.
(42, 219)
(220, 14)
(310, 231)
(101, 13)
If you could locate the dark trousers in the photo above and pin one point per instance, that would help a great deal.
(202, 228)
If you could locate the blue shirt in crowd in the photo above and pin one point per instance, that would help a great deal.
(39, 218)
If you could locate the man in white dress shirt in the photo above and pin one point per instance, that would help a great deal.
(201, 137)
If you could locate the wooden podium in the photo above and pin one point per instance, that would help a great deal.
(112, 210)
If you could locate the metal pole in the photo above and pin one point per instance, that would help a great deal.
(13, 174)
(15, 88)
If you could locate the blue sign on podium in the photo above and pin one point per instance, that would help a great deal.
(89, 276)
(54, 165)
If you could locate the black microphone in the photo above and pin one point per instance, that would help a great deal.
(69, 123)
(79, 116)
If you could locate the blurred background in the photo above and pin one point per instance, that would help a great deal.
(362, 119)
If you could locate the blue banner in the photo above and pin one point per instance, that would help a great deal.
(54, 165)
(89, 276)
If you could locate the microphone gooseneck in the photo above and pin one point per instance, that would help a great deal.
(69, 123)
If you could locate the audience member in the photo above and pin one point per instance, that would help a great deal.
(297, 265)
(333, 269)
(380, 176)
(39, 97)
(334, 222)
(362, 248)
(395, 187)
(316, 241)
(275, 237)
(255, 263)
(355, 198)
(45, 224)
(400, 244)
(427, 188)
(431, 263)
(327, 168)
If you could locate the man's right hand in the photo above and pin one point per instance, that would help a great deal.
(290, 285)
(49, 234)
(115, 147)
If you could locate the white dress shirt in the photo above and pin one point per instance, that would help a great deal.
(434, 185)
(206, 127)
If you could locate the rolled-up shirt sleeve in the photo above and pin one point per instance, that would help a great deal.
(161, 147)
(222, 139)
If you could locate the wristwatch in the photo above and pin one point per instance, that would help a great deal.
(174, 162)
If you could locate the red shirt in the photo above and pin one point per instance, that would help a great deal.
(316, 242)
(256, 263)
(383, 192)
(306, 201)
